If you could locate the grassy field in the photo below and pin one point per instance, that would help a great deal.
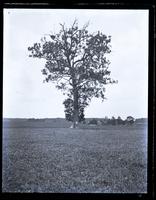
(76, 161)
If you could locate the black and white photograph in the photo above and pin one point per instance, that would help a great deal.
(75, 100)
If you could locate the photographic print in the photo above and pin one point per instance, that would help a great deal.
(75, 100)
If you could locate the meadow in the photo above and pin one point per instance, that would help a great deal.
(112, 159)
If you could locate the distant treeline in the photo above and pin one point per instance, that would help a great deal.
(116, 121)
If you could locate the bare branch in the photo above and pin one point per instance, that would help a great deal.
(86, 25)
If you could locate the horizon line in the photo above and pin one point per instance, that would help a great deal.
(65, 118)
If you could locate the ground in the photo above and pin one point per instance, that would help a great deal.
(108, 160)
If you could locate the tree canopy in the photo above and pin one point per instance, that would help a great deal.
(76, 62)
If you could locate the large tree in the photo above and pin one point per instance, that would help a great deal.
(76, 62)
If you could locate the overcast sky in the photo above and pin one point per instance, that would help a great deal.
(25, 94)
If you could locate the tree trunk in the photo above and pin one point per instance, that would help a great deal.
(76, 109)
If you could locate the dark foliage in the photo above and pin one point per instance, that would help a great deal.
(93, 121)
(68, 104)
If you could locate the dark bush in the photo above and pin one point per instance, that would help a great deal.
(93, 121)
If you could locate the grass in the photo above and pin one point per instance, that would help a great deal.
(75, 161)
